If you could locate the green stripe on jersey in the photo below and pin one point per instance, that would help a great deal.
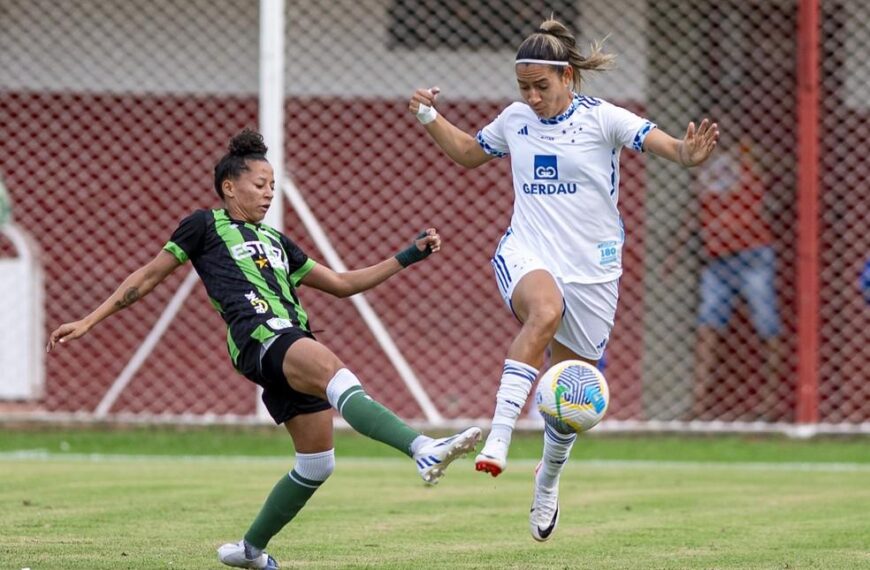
(295, 278)
(300, 273)
(179, 253)
(231, 346)
(268, 235)
(232, 237)
(262, 333)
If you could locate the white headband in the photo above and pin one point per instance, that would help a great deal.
(542, 62)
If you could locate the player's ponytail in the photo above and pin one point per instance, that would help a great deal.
(247, 145)
(553, 42)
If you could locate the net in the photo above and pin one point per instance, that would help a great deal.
(112, 115)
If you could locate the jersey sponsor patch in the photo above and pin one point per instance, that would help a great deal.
(260, 306)
(546, 167)
(609, 252)
(278, 324)
(550, 189)
(265, 253)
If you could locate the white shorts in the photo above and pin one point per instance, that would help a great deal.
(589, 308)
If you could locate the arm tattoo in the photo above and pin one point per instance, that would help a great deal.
(130, 297)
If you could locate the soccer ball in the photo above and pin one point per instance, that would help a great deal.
(572, 396)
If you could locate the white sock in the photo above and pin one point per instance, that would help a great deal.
(315, 466)
(517, 380)
(557, 448)
(343, 380)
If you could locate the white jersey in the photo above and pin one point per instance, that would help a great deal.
(566, 182)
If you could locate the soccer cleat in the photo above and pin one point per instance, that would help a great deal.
(492, 458)
(434, 457)
(544, 515)
(238, 555)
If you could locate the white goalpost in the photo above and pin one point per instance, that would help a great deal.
(271, 119)
(272, 127)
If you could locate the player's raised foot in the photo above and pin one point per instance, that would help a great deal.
(239, 555)
(492, 458)
(434, 457)
(544, 515)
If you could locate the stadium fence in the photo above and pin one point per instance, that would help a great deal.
(112, 114)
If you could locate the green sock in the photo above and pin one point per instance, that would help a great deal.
(373, 420)
(286, 499)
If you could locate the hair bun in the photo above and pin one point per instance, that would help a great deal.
(247, 143)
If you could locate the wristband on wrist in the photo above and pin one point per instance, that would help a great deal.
(411, 254)
(426, 114)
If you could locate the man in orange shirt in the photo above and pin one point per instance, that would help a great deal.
(739, 262)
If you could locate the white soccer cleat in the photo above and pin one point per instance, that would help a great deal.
(544, 515)
(434, 457)
(238, 555)
(492, 458)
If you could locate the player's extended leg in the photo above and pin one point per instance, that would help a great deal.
(315, 461)
(537, 303)
(311, 368)
(544, 514)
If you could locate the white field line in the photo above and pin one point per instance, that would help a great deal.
(821, 467)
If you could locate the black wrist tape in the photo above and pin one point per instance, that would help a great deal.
(411, 254)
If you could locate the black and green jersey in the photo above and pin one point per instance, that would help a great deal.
(250, 272)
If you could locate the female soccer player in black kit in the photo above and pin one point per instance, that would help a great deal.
(251, 273)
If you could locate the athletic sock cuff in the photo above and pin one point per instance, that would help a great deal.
(557, 436)
(343, 381)
(521, 369)
(315, 466)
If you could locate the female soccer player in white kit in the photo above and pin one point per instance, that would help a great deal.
(559, 262)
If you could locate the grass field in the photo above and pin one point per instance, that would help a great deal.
(163, 498)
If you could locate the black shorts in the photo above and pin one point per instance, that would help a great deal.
(282, 401)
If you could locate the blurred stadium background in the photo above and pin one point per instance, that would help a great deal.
(113, 113)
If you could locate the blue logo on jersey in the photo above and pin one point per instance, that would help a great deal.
(546, 167)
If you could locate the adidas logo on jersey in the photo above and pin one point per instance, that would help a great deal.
(524, 130)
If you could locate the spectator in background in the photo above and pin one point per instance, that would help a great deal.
(739, 262)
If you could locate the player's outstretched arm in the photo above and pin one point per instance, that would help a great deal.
(460, 146)
(356, 281)
(135, 286)
(694, 148)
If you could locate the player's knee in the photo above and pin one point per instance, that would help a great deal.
(544, 320)
(314, 373)
(325, 370)
(315, 466)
